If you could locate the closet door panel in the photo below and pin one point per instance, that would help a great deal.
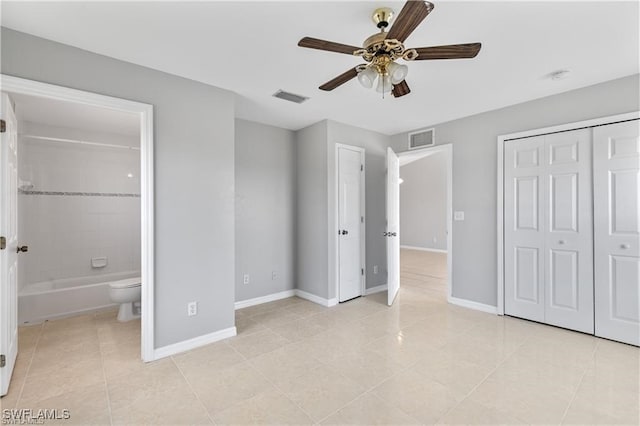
(616, 169)
(568, 240)
(523, 233)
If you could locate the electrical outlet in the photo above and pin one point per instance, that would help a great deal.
(192, 309)
(274, 275)
(375, 269)
(458, 216)
(246, 279)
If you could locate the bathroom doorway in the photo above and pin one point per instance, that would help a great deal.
(79, 196)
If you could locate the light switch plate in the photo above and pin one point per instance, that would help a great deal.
(458, 215)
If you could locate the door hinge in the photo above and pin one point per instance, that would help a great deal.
(3, 360)
(3, 126)
(361, 167)
(361, 219)
(362, 271)
(3, 243)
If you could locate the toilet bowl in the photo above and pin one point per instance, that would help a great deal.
(127, 292)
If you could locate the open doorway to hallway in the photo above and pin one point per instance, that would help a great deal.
(423, 221)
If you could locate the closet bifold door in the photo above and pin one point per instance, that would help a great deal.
(616, 178)
(568, 241)
(524, 228)
(548, 230)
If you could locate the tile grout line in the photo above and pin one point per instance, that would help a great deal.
(271, 383)
(575, 393)
(193, 390)
(26, 374)
(483, 380)
(321, 362)
(104, 373)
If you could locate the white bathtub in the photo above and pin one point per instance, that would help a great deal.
(59, 298)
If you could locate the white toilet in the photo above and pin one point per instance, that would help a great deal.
(128, 293)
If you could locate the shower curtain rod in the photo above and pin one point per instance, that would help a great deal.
(80, 142)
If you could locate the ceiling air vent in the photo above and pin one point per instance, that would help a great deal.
(422, 138)
(291, 97)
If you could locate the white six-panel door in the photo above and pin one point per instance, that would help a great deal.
(568, 241)
(349, 223)
(616, 178)
(9, 255)
(524, 228)
(548, 229)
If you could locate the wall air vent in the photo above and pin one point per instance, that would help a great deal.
(422, 138)
(291, 97)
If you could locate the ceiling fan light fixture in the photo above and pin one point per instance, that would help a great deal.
(367, 77)
(397, 72)
(384, 84)
(381, 50)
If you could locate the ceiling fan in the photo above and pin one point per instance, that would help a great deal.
(383, 49)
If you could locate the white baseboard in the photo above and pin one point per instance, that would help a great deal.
(376, 289)
(196, 342)
(423, 249)
(265, 299)
(473, 305)
(316, 299)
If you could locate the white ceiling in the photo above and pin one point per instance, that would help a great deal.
(73, 115)
(251, 49)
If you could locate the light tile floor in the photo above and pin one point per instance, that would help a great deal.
(421, 361)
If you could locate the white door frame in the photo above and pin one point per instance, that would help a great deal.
(22, 86)
(500, 181)
(448, 150)
(363, 222)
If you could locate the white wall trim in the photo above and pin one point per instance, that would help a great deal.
(500, 180)
(22, 86)
(363, 223)
(473, 305)
(196, 342)
(264, 299)
(290, 293)
(424, 249)
(376, 289)
(317, 299)
(448, 150)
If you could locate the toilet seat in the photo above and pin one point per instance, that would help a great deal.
(126, 283)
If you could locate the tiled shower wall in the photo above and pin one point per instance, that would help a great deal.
(85, 203)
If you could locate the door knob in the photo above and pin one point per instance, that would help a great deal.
(392, 234)
(561, 242)
(344, 232)
(385, 234)
(625, 246)
(22, 249)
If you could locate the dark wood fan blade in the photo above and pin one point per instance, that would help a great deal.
(409, 18)
(453, 51)
(401, 89)
(316, 43)
(339, 80)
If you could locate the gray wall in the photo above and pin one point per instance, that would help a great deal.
(265, 209)
(316, 191)
(194, 176)
(423, 202)
(474, 141)
(312, 225)
(375, 145)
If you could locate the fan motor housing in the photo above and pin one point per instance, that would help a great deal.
(375, 39)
